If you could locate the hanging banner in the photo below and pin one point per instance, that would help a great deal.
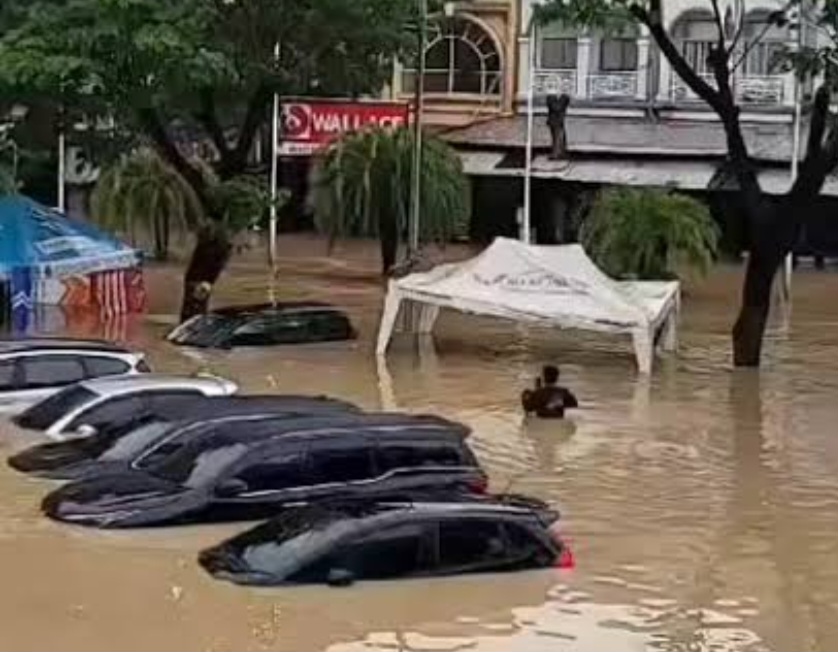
(309, 126)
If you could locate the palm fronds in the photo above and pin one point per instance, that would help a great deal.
(649, 234)
(364, 187)
(143, 194)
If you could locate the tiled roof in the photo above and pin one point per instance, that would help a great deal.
(770, 142)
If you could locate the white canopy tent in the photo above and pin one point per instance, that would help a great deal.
(552, 285)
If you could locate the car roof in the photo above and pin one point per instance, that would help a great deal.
(205, 408)
(112, 385)
(14, 345)
(250, 310)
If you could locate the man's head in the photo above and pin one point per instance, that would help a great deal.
(550, 374)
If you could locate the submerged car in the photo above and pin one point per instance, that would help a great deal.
(94, 403)
(236, 475)
(341, 543)
(265, 325)
(128, 442)
(34, 369)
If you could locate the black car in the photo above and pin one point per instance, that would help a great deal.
(129, 441)
(229, 475)
(265, 325)
(338, 543)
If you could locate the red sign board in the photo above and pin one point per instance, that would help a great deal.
(309, 126)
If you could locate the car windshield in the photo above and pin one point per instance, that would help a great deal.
(135, 442)
(205, 330)
(42, 415)
(200, 464)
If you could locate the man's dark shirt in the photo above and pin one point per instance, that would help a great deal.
(548, 402)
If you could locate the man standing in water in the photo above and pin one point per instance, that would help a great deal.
(548, 400)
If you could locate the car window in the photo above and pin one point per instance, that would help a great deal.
(101, 366)
(397, 551)
(280, 470)
(198, 465)
(467, 543)
(52, 371)
(7, 375)
(168, 399)
(525, 548)
(44, 414)
(394, 454)
(254, 332)
(134, 442)
(329, 324)
(341, 461)
(109, 410)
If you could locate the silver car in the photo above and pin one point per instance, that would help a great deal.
(82, 409)
(34, 369)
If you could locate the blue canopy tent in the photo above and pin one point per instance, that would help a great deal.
(40, 249)
(49, 244)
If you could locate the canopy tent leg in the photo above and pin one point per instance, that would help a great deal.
(392, 305)
(644, 350)
(428, 315)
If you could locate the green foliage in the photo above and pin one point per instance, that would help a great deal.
(141, 194)
(649, 234)
(366, 180)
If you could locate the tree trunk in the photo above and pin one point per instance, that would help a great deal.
(749, 329)
(211, 254)
(388, 235)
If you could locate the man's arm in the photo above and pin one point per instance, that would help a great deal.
(570, 400)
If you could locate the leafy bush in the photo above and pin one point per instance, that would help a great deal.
(649, 234)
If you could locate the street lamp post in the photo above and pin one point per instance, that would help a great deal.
(526, 218)
(418, 124)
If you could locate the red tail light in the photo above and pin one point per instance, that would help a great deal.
(478, 485)
(565, 560)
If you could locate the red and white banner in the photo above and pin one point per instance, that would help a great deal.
(309, 126)
(119, 292)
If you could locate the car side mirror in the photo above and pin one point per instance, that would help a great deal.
(85, 430)
(231, 488)
(341, 577)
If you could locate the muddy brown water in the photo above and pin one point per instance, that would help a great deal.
(702, 504)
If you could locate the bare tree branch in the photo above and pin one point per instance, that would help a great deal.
(821, 158)
(651, 18)
(154, 127)
(254, 117)
(720, 27)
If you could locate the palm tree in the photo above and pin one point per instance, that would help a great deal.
(364, 190)
(649, 234)
(141, 193)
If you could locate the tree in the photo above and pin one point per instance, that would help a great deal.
(365, 186)
(649, 234)
(772, 226)
(179, 71)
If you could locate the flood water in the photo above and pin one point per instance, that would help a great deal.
(702, 505)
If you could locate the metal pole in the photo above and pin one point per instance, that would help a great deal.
(62, 168)
(527, 216)
(788, 264)
(418, 118)
(274, 218)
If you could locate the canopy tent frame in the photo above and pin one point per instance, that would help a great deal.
(651, 325)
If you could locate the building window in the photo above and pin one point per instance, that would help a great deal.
(696, 34)
(557, 47)
(618, 55)
(764, 45)
(461, 58)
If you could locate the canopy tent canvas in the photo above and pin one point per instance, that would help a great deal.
(49, 258)
(553, 285)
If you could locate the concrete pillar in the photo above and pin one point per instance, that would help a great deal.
(583, 65)
(643, 67)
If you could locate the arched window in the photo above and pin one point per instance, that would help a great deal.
(696, 33)
(461, 58)
(763, 42)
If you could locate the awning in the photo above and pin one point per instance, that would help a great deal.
(480, 164)
(686, 175)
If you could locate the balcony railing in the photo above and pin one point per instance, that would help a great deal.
(555, 82)
(612, 85)
(763, 90)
